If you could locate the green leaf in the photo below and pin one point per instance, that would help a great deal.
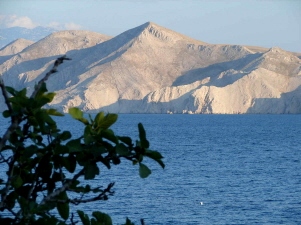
(41, 99)
(122, 150)
(77, 114)
(74, 145)
(97, 150)
(63, 208)
(109, 134)
(103, 218)
(61, 149)
(99, 118)
(23, 203)
(23, 92)
(88, 138)
(94, 222)
(44, 169)
(65, 135)
(126, 140)
(33, 121)
(49, 96)
(91, 170)
(42, 90)
(70, 163)
(142, 135)
(11, 199)
(144, 171)
(18, 101)
(6, 114)
(53, 112)
(46, 219)
(30, 150)
(17, 182)
(128, 222)
(84, 217)
(11, 90)
(42, 118)
(107, 121)
(155, 155)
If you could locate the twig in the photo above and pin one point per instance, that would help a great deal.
(57, 62)
(14, 120)
(8, 183)
(9, 131)
(5, 95)
(63, 188)
(142, 221)
(101, 196)
(71, 219)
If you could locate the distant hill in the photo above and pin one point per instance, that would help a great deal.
(151, 69)
(11, 34)
(13, 48)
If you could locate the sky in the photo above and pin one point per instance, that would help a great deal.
(265, 23)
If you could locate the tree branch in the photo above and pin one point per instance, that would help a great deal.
(63, 188)
(15, 121)
(8, 183)
(5, 95)
(57, 62)
(101, 196)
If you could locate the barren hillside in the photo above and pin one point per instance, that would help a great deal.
(151, 69)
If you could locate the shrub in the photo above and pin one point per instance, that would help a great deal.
(45, 165)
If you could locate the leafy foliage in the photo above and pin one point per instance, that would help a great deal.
(44, 164)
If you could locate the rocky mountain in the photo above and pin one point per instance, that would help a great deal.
(13, 48)
(151, 69)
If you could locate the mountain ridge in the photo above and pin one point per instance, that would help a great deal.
(151, 69)
(7, 35)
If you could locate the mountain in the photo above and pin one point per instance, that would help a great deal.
(13, 48)
(8, 35)
(151, 69)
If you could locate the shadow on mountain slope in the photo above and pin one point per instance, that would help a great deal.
(5, 58)
(182, 104)
(213, 71)
(21, 69)
(288, 103)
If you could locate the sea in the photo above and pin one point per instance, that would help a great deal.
(219, 169)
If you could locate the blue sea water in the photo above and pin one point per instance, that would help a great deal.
(220, 169)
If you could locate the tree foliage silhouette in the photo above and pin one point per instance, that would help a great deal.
(44, 166)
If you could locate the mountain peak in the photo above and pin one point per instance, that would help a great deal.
(160, 32)
(152, 29)
(276, 50)
(278, 53)
(60, 42)
(15, 47)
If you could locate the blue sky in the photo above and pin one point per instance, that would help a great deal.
(257, 22)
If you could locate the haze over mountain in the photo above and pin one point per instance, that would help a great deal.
(8, 35)
(151, 69)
